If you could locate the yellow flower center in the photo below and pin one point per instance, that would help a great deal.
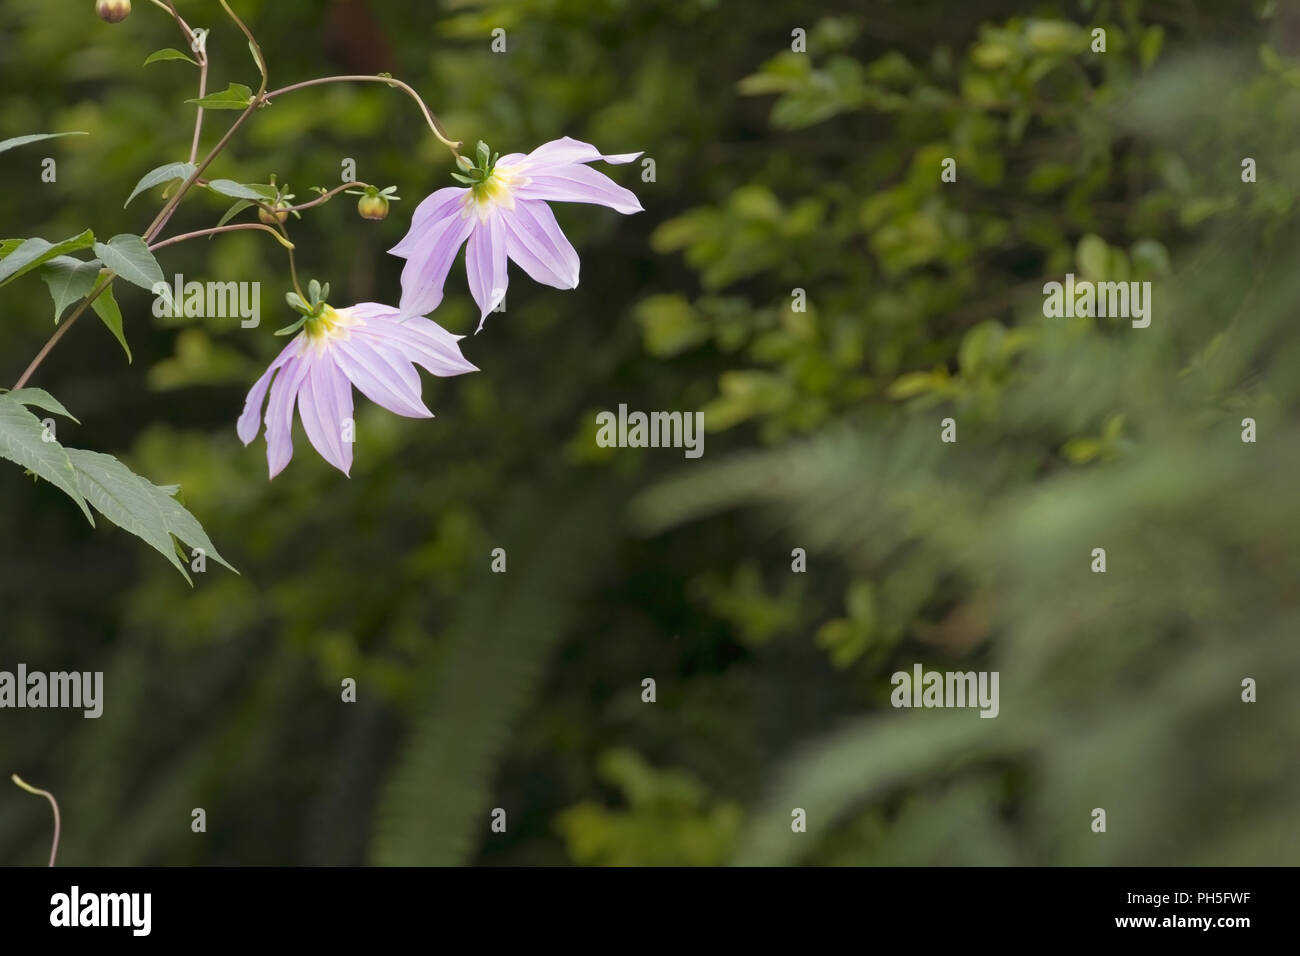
(497, 190)
(331, 324)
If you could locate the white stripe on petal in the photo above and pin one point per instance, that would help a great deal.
(389, 380)
(568, 150)
(251, 417)
(485, 262)
(423, 342)
(577, 183)
(324, 402)
(279, 414)
(535, 241)
(441, 204)
(426, 269)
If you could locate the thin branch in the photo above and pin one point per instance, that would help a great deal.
(326, 196)
(201, 51)
(182, 237)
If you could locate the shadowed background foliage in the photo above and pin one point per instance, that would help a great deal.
(775, 171)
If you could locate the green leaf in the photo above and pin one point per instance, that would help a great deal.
(129, 257)
(163, 174)
(860, 761)
(257, 58)
(254, 191)
(32, 253)
(8, 144)
(41, 399)
(137, 505)
(69, 280)
(106, 308)
(25, 441)
(168, 54)
(1093, 255)
(670, 324)
(233, 211)
(1153, 38)
(1150, 257)
(913, 384)
(236, 96)
(267, 191)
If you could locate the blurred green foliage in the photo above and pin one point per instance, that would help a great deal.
(781, 178)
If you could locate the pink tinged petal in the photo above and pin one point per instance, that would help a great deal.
(423, 342)
(372, 310)
(251, 417)
(279, 413)
(324, 404)
(567, 150)
(387, 379)
(534, 240)
(485, 261)
(579, 184)
(427, 266)
(442, 204)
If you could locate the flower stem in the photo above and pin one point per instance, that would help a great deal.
(453, 145)
(327, 196)
(293, 266)
(54, 847)
(182, 237)
(259, 100)
(200, 50)
(166, 212)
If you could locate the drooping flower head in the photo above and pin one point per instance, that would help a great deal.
(363, 345)
(502, 211)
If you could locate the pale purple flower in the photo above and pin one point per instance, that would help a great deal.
(364, 345)
(504, 214)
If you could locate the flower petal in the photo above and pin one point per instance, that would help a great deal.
(324, 404)
(386, 378)
(535, 241)
(568, 150)
(485, 262)
(279, 413)
(438, 205)
(577, 183)
(251, 417)
(423, 342)
(428, 263)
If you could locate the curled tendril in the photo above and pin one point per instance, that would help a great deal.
(54, 845)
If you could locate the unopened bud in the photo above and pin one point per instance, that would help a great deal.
(279, 213)
(373, 207)
(113, 11)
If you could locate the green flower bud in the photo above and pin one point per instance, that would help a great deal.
(280, 215)
(373, 207)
